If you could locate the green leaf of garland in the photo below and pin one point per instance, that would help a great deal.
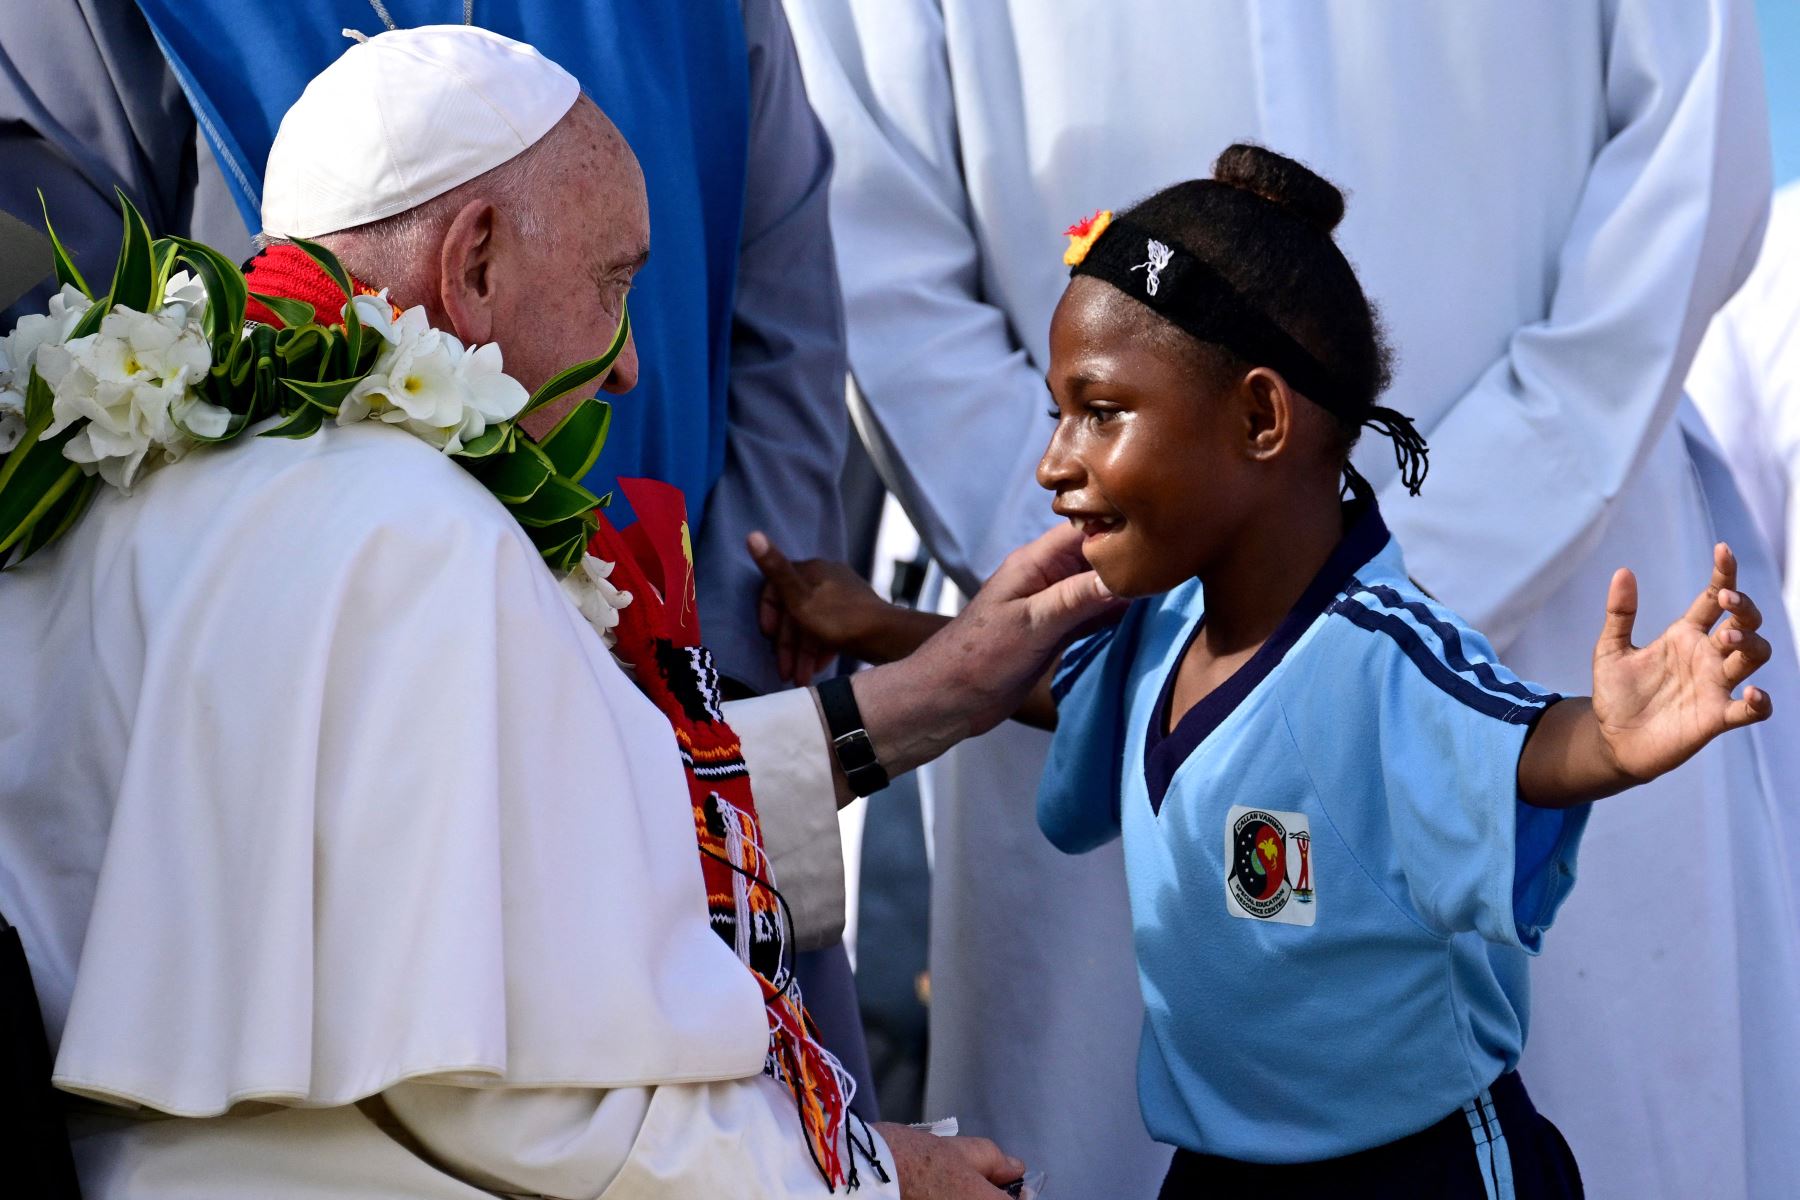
(66, 271)
(59, 519)
(90, 320)
(305, 352)
(557, 500)
(570, 378)
(295, 314)
(162, 257)
(226, 294)
(34, 477)
(516, 476)
(303, 423)
(575, 444)
(135, 276)
(563, 556)
(495, 440)
(327, 396)
(328, 263)
(38, 400)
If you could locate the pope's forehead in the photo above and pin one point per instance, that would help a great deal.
(598, 153)
(607, 209)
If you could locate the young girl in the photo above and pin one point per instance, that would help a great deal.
(1346, 825)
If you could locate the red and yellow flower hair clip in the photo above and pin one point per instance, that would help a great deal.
(1083, 235)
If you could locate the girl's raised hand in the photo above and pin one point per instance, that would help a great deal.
(1657, 705)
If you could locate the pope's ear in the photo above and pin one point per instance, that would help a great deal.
(467, 278)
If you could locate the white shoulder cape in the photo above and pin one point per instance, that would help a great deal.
(313, 781)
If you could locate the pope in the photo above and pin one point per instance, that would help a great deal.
(346, 857)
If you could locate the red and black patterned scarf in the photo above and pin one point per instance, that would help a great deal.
(659, 640)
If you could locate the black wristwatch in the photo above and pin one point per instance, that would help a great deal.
(849, 740)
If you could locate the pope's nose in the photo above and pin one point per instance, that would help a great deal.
(624, 374)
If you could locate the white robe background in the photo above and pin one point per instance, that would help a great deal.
(1746, 383)
(1547, 200)
(316, 788)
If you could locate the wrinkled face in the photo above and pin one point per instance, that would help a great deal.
(1142, 460)
(571, 283)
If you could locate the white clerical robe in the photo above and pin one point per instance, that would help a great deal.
(1547, 201)
(1746, 383)
(315, 788)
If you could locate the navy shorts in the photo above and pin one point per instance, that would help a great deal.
(1496, 1147)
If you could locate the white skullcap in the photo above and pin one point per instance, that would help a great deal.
(403, 117)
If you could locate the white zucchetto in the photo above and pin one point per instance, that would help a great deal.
(403, 117)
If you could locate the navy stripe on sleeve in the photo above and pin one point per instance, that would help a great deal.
(1453, 648)
(1437, 672)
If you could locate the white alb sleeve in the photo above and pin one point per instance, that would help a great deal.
(738, 1138)
(796, 795)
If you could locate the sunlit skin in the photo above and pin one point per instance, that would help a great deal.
(552, 301)
(1173, 472)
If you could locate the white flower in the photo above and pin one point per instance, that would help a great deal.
(590, 587)
(376, 312)
(19, 350)
(184, 299)
(132, 381)
(425, 380)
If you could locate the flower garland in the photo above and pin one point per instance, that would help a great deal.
(103, 389)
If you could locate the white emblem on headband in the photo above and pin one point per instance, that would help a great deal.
(1159, 259)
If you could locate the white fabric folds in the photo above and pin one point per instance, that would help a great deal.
(352, 794)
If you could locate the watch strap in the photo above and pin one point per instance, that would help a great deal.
(849, 740)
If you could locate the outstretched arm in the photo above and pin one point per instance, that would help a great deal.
(1655, 706)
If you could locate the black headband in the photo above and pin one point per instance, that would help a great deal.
(1191, 295)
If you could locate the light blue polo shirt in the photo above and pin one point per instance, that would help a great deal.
(1334, 886)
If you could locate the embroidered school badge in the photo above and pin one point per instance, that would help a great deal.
(1268, 872)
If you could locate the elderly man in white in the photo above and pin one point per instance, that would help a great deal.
(347, 860)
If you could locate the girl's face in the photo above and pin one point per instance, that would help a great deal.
(1146, 459)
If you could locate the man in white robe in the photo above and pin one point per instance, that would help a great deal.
(347, 860)
(1549, 200)
(1746, 383)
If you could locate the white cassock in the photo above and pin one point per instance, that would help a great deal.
(1547, 200)
(1746, 383)
(314, 788)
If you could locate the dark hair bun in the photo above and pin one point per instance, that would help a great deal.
(1282, 181)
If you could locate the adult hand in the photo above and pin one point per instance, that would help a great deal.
(998, 647)
(975, 672)
(954, 1168)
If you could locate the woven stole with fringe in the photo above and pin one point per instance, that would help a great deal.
(659, 641)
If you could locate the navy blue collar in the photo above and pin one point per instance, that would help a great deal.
(1165, 752)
